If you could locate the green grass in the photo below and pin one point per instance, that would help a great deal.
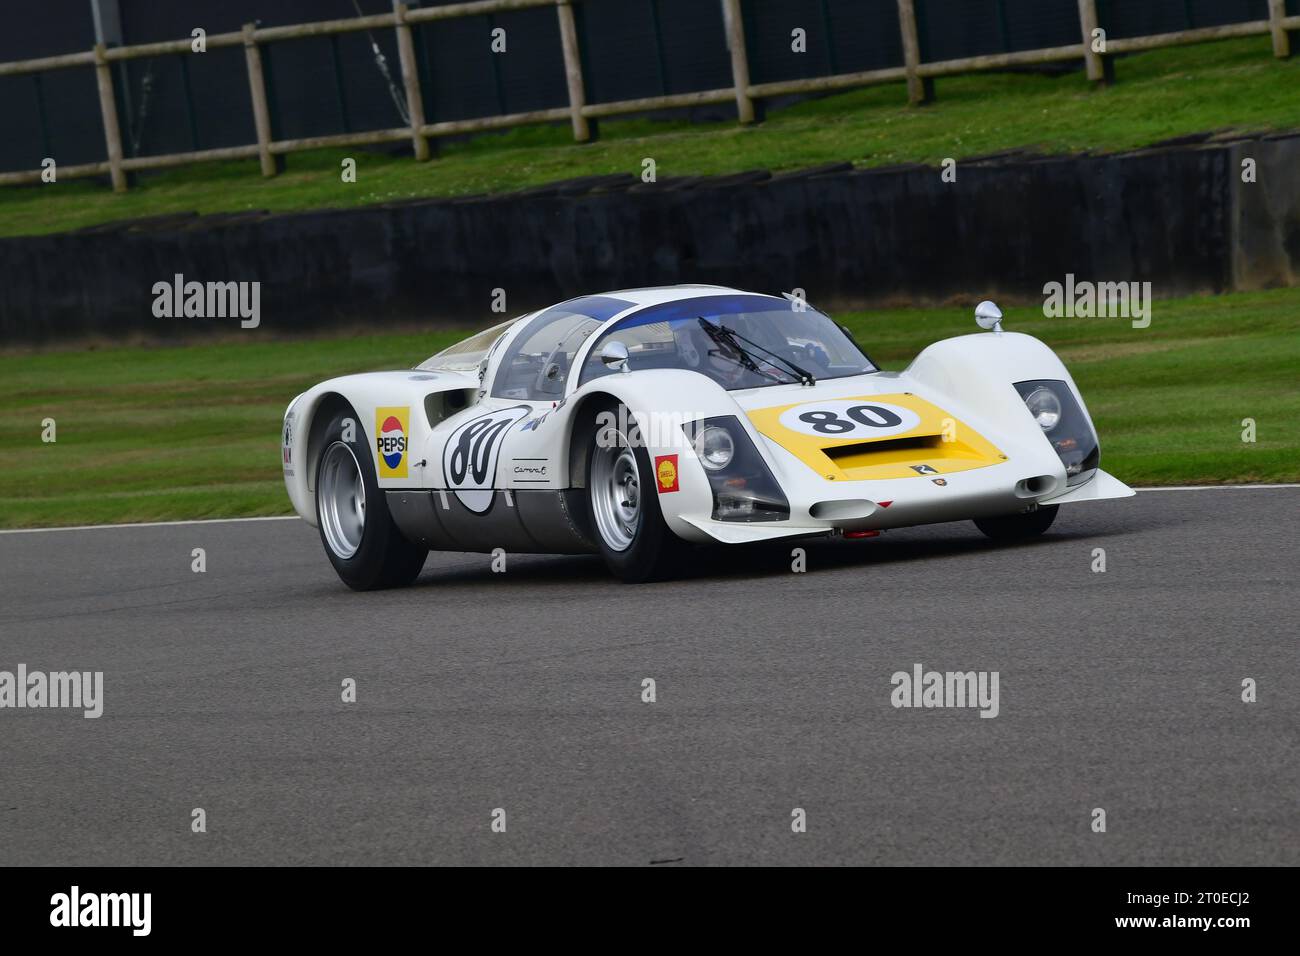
(1233, 84)
(170, 433)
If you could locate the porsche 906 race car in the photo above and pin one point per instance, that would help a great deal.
(636, 424)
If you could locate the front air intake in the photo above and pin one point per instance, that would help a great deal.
(1035, 487)
(850, 509)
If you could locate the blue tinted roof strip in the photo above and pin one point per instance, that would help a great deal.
(705, 305)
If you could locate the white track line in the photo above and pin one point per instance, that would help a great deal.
(149, 524)
(170, 524)
(1217, 487)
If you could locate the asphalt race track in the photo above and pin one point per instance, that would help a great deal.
(522, 690)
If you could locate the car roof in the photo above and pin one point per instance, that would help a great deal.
(616, 305)
(656, 294)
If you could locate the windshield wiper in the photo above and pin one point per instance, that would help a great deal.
(732, 339)
(719, 336)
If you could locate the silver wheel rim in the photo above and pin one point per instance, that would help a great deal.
(616, 494)
(342, 497)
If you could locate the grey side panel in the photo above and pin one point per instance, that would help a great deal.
(416, 517)
(551, 521)
(528, 522)
(498, 527)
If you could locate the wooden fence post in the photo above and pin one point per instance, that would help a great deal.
(1096, 64)
(919, 89)
(108, 111)
(573, 69)
(1281, 39)
(257, 89)
(411, 83)
(735, 27)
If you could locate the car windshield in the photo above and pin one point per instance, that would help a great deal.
(468, 353)
(739, 341)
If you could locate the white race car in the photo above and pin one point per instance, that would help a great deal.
(636, 424)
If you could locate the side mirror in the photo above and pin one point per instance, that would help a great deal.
(614, 355)
(988, 316)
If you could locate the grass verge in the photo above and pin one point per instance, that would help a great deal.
(146, 434)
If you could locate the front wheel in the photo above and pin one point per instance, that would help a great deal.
(359, 535)
(1018, 527)
(623, 506)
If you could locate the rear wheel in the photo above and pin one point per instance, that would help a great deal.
(1018, 527)
(623, 505)
(358, 533)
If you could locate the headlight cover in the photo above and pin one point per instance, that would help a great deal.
(743, 486)
(1063, 422)
(715, 447)
(1045, 407)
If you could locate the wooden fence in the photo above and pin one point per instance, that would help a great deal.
(918, 75)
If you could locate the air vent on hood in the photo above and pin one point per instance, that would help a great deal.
(913, 456)
(877, 450)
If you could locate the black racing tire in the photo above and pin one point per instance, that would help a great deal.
(382, 558)
(651, 552)
(1019, 527)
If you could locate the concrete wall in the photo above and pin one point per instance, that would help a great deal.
(1179, 217)
(1265, 224)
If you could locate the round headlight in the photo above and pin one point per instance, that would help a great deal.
(715, 447)
(1045, 407)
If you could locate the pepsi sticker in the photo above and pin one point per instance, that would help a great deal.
(392, 428)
